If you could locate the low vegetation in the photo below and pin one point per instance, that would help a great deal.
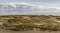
(29, 22)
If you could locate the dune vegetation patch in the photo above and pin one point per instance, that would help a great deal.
(30, 22)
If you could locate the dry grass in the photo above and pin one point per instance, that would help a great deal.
(28, 22)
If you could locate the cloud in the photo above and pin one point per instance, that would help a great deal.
(29, 8)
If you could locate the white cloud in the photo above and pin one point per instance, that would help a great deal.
(33, 8)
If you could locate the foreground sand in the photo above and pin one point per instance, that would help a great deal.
(32, 31)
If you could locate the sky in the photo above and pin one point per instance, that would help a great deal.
(52, 3)
(55, 4)
(40, 1)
